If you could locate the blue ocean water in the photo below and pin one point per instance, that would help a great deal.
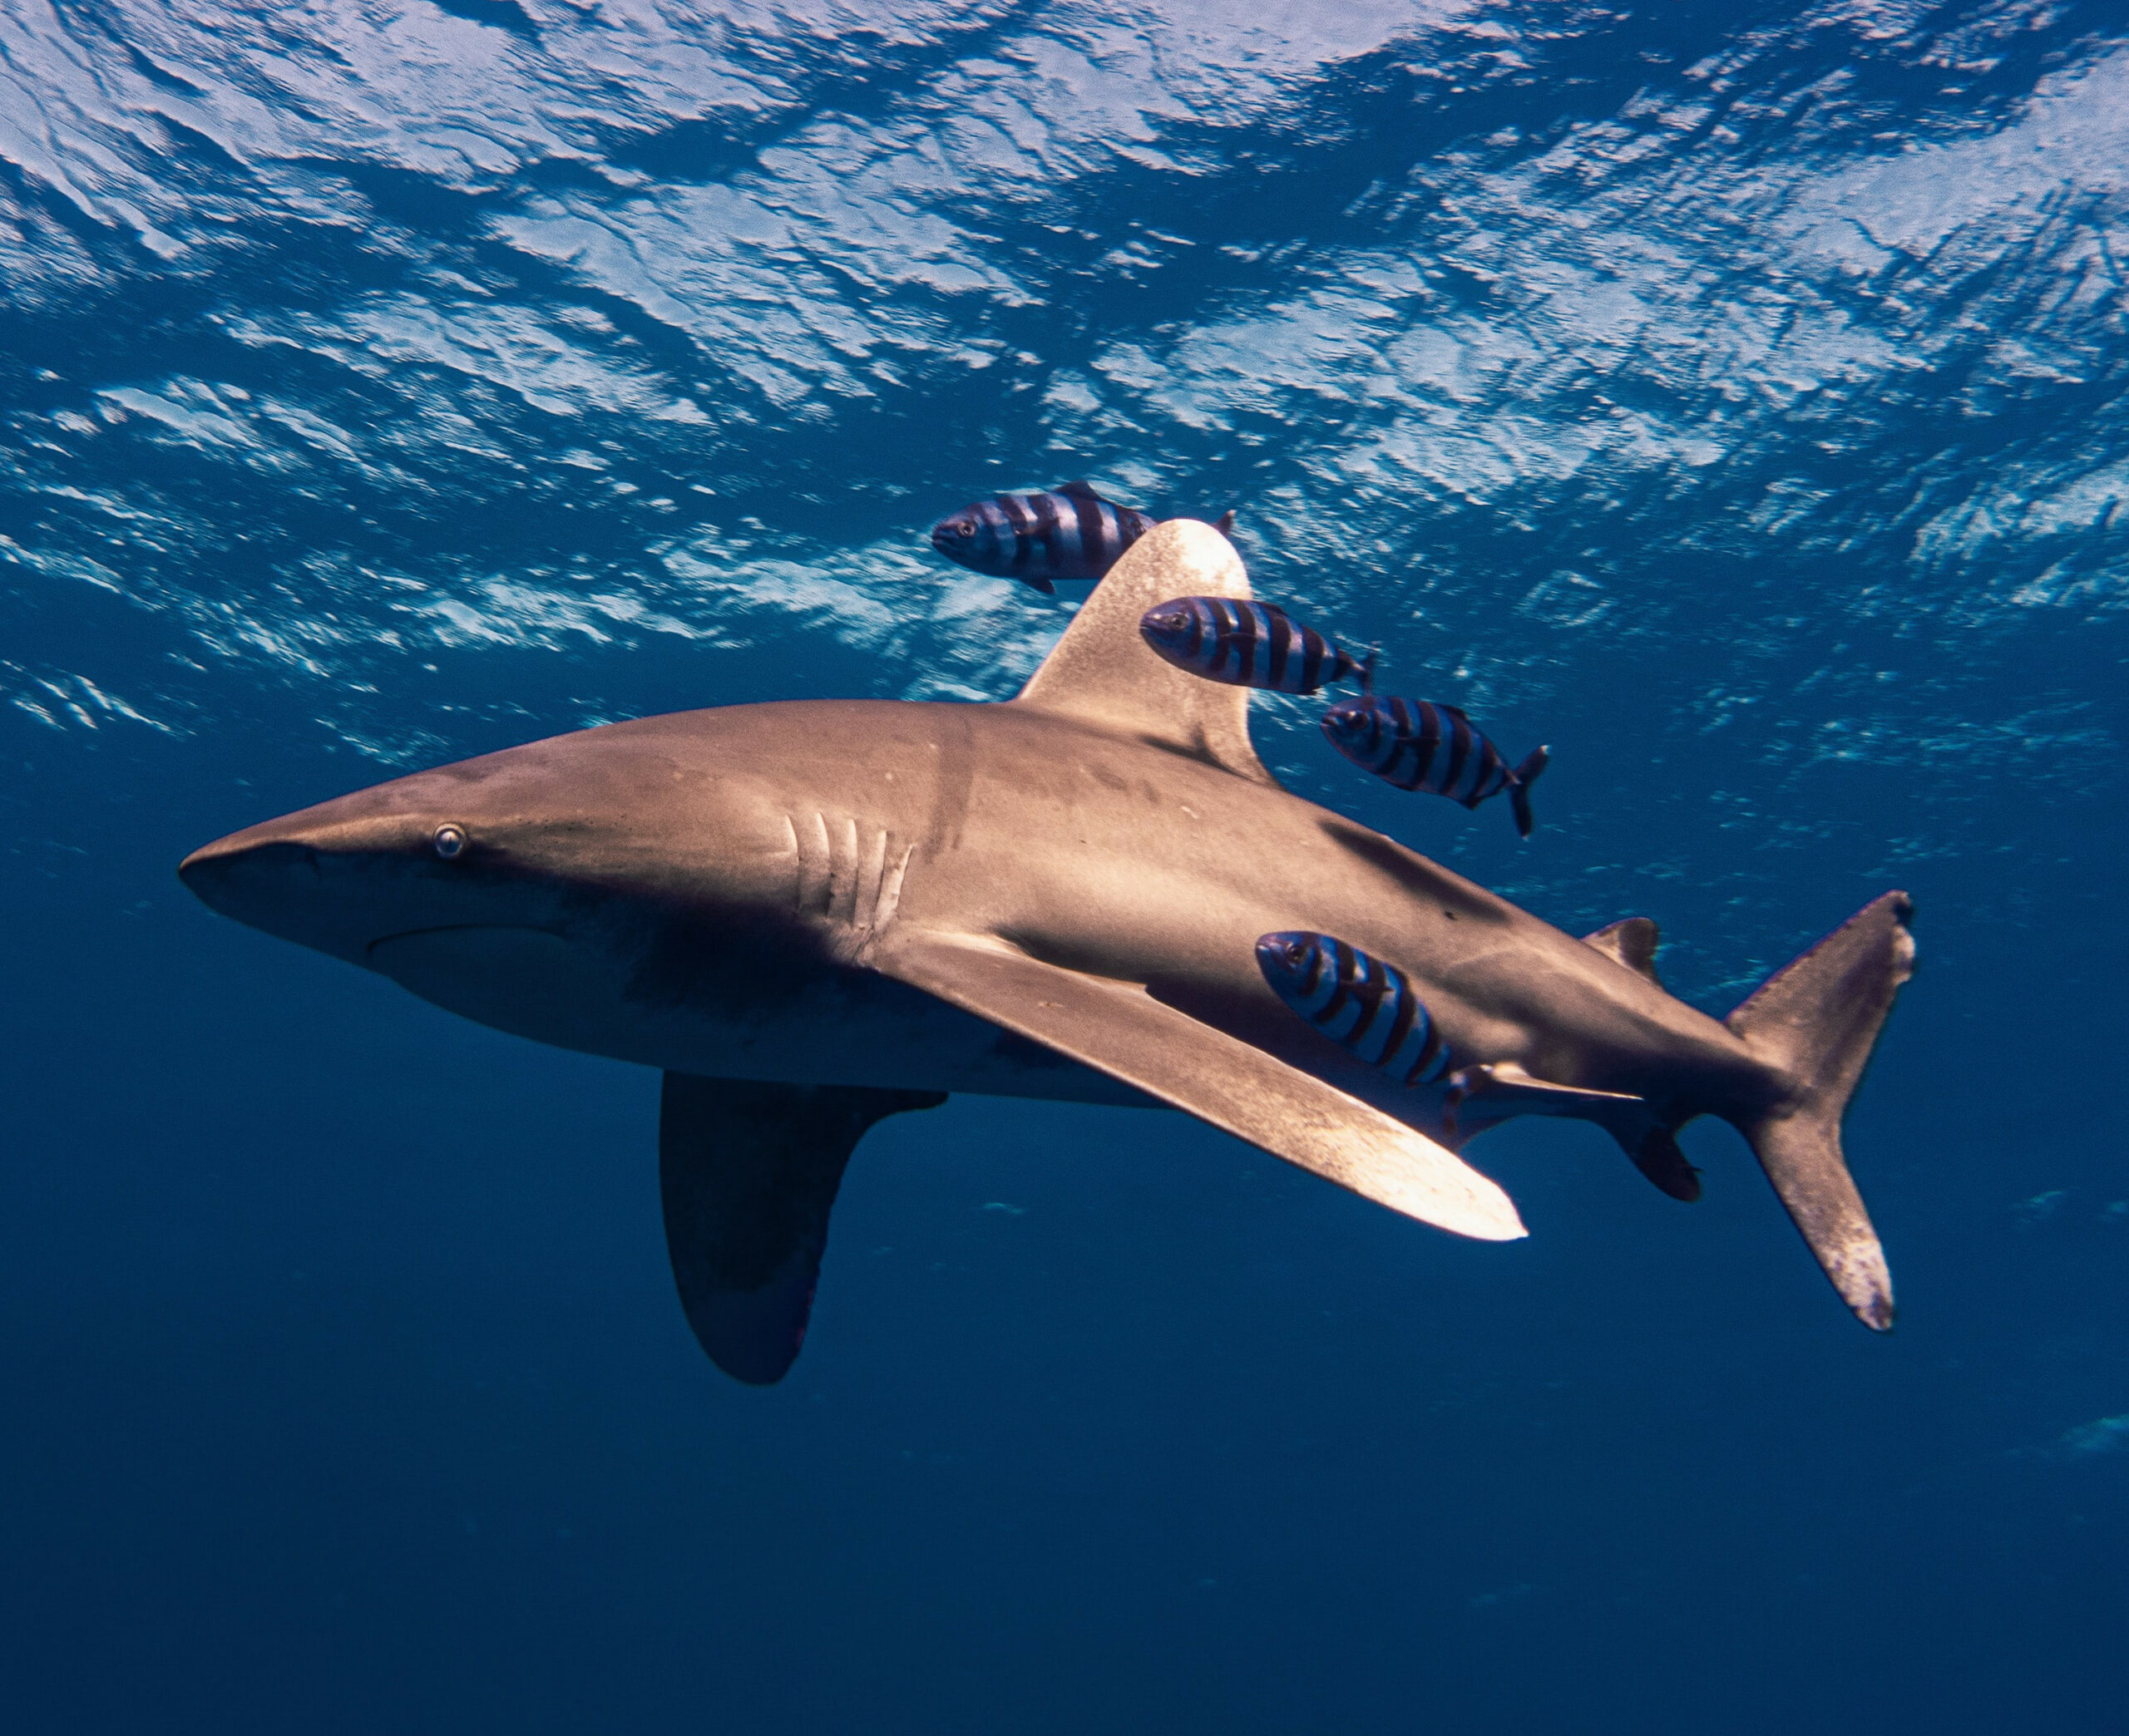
(1731, 397)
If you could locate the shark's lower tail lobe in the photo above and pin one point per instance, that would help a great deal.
(1814, 1022)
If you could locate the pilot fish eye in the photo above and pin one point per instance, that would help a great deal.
(449, 841)
(963, 527)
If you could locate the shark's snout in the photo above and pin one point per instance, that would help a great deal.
(290, 888)
(233, 875)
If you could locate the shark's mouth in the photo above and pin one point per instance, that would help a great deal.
(444, 930)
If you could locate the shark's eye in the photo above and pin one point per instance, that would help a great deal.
(449, 841)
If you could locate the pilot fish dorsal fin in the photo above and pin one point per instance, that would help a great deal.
(1081, 490)
(1103, 672)
(1632, 941)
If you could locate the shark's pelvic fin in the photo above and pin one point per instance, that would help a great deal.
(1817, 1021)
(1123, 1031)
(1632, 941)
(747, 1172)
(1480, 1096)
(1102, 673)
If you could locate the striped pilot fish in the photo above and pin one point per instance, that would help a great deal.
(1061, 533)
(1367, 1006)
(1417, 745)
(1248, 644)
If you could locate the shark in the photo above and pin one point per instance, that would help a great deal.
(811, 915)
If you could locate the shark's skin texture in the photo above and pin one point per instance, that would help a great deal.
(1057, 897)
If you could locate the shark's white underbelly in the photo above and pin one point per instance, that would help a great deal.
(847, 1028)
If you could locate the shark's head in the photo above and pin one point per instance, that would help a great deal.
(979, 537)
(536, 875)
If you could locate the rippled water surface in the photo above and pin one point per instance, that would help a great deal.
(1732, 396)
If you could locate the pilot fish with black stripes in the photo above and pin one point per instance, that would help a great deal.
(1055, 533)
(1418, 744)
(1249, 644)
(1367, 1007)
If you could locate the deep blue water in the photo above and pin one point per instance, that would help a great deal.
(1732, 397)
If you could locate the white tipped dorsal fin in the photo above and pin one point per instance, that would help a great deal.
(1101, 672)
(1632, 941)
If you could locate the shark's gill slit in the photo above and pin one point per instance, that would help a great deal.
(844, 906)
(869, 880)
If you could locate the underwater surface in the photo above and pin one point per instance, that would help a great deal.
(1731, 397)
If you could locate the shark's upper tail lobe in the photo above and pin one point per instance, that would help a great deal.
(1814, 1023)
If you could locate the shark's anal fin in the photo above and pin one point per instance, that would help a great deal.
(1102, 673)
(1632, 941)
(1483, 1095)
(747, 1172)
(1121, 1029)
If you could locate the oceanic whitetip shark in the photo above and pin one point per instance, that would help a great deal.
(811, 915)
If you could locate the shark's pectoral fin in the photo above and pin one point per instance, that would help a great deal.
(1483, 1095)
(1121, 1029)
(1632, 941)
(747, 1172)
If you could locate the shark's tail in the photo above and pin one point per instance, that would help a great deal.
(1814, 1023)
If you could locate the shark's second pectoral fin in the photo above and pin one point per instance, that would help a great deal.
(1121, 1029)
(747, 1172)
(1479, 1096)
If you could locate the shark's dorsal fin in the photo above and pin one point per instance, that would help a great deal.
(1102, 673)
(1632, 941)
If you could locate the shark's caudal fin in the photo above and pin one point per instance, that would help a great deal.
(747, 1172)
(1103, 672)
(1816, 1021)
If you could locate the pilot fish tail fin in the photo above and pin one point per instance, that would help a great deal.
(1816, 1023)
(1518, 788)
